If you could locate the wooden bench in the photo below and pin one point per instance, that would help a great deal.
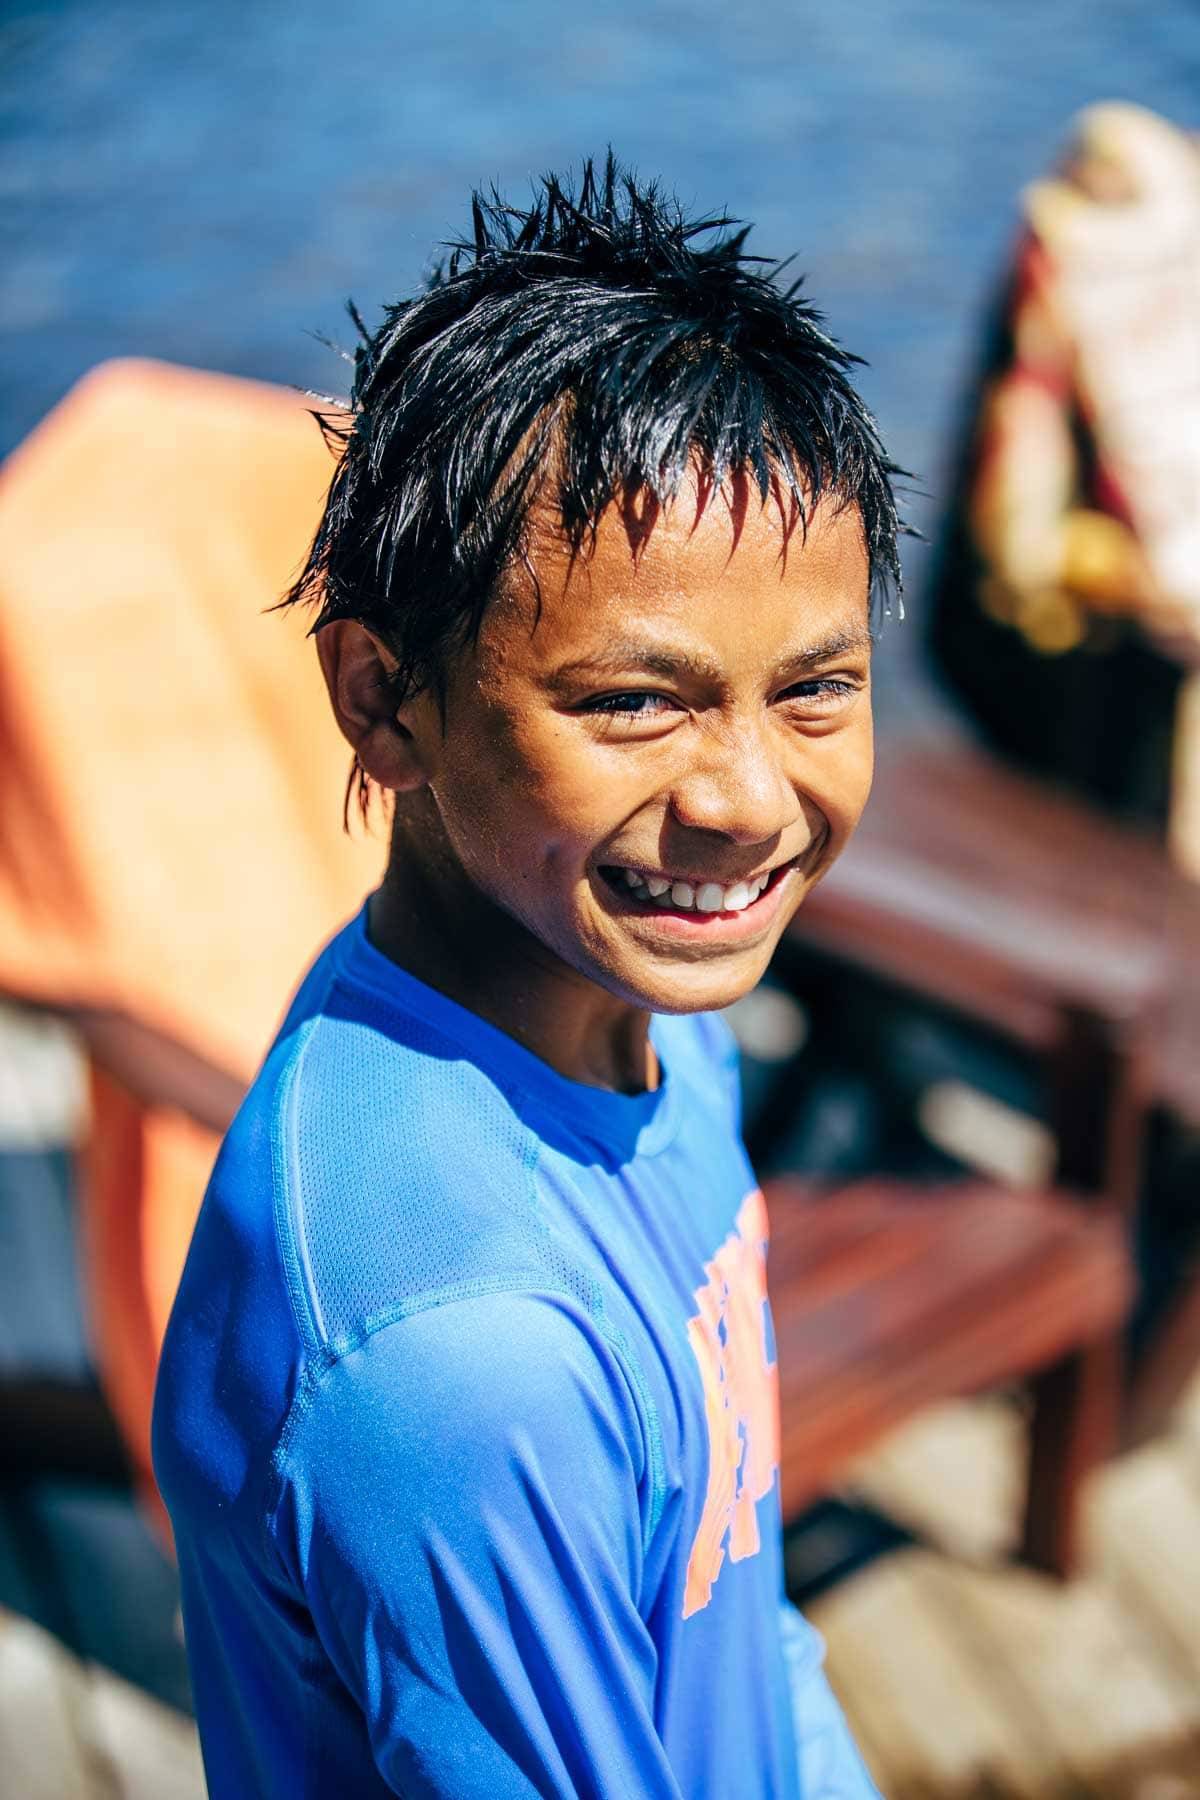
(991, 893)
(1022, 910)
(887, 1296)
(995, 894)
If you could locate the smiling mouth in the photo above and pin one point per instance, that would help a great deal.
(661, 893)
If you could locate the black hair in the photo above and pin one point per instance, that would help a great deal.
(599, 340)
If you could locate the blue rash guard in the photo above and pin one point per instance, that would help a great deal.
(467, 1426)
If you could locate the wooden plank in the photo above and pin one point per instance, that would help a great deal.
(1073, 1659)
(954, 1475)
(1165, 1389)
(860, 1620)
(43, 1086)
(1144, 1528)
(945, 1668)
(1160, 1774)
(939, 1723)
(958, 1246)
(989, 1136)
(989, 893)
(1186, 1418)
(1015, 1282)
(42, 1690)
(1074, 1430)
(154, 1751)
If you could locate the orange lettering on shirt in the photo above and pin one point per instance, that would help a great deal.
(728, 1336)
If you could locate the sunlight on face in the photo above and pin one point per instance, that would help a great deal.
(650, 758)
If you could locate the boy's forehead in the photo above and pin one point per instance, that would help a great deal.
(700, 516)
(647, 563)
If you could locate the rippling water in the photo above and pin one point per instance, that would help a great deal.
(207, 183)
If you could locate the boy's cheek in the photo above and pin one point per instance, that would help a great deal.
(848, 787)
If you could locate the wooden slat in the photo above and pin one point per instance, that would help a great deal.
(43, 1091)
(154, 1752)
(1186, 1417)
(1146, 1540)
(953, 1475)
(943, 1295)
(834, 1246)
(1169, 1362)
(795, 1239)
(73, 1731)
(42, 1693)
(1075, 1661)
(942, 1723)
(988, 892)
(157, 1069)
(1101, 1674)
(966, 1235)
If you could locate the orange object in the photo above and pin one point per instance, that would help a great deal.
(171, 778)
(741, 1400)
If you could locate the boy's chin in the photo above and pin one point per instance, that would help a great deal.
(694, 987)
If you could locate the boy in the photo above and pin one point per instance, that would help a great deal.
(467, 1416)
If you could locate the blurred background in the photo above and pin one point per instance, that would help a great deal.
(994, 1014)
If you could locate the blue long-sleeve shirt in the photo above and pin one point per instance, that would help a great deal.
(467, 1426)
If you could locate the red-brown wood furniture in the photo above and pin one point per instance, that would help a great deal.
(981, 891)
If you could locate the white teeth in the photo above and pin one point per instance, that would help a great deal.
(705, 896)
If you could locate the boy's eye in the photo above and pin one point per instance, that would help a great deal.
(638, 705)
(822, 693)
(822, 688)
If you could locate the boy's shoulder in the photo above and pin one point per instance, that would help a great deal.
(398, 1168)
(387, 1153)
(372, 1170)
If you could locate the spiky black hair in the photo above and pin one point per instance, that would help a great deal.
(590, 341)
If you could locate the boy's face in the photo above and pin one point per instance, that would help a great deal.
(688, 705)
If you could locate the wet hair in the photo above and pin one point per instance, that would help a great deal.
(589, 347)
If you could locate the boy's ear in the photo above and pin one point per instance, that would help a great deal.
(357, 668)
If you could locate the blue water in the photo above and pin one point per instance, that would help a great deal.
(207, 183)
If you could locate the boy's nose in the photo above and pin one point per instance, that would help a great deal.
(737, 790)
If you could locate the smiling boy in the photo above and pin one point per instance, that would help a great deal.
(467, 1416)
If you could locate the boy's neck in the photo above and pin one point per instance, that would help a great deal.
(440, 929)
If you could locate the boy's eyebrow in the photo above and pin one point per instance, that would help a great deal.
(653, 659)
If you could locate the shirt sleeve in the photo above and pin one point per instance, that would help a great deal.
(827, 1759)
(461, 1503)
